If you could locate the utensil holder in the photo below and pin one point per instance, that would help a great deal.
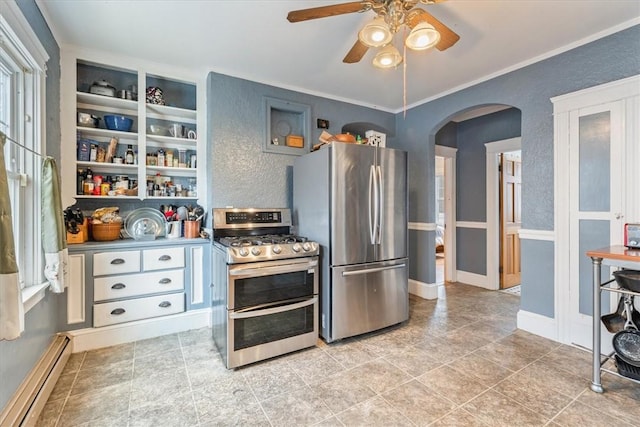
(191, 229)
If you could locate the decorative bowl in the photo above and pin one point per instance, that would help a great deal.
(106, 231)
(120, 123)
(157, 130)
(88, 120)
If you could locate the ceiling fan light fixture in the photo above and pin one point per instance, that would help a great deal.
(376, 33)
(388, 57)
(423, 36)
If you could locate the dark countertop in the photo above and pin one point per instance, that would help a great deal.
(132, 244)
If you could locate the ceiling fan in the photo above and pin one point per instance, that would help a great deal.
(391, 15)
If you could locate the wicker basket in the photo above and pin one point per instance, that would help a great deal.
(106, 231)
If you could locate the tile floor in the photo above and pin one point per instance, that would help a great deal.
(458, 361)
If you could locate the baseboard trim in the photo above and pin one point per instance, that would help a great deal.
(538, 324)
(93, 338)
(424, 290)
(479, 280)
(27, 403)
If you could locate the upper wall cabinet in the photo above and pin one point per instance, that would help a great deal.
(136, 133)
(287, 127)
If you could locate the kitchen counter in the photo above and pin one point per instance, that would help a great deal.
(132, 243)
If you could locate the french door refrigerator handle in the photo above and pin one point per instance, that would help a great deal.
(372, 189)
(372, 270)
(380, 205)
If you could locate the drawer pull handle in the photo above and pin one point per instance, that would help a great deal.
(118, 311)
(117, 261)
(164, 281)
(118, 286)
(165, 258)
(164, 304)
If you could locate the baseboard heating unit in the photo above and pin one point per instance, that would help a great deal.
(29, 400)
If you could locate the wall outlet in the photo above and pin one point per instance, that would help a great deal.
(323, 124)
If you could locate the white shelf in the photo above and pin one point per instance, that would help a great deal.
(106, 133)
(163, 112)
(92, 101)
(144, 114)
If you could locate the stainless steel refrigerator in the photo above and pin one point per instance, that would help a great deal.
(352, 200)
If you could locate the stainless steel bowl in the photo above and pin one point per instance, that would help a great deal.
(88, 120)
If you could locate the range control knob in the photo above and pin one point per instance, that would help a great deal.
(243, 251)
(306, 246)
(296, 247)
(276, 249)
(255, 251)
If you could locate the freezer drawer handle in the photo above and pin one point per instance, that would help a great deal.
(117, 261)
(273, 310)
(165, 258)
(372, 270)
(118, 311)
(118, 286)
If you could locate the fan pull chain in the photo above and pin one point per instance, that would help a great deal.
(404, 76)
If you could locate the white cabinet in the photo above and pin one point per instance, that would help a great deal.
(149, 136)
(155, 287)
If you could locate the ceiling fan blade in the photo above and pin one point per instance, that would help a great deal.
(447, 36)
(324, 11)
(356, 53)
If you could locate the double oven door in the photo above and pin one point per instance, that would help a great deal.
(272, 309)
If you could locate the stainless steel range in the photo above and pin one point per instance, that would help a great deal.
(265, 286)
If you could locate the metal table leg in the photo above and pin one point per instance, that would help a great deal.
(596, 384)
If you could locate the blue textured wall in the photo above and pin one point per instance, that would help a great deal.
(19, 356)
(529, 89)
(242, 175)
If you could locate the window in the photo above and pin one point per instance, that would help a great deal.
(22, 65)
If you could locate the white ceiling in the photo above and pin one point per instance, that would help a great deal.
(253, 40)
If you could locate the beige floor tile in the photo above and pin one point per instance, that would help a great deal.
(494, 409)
(105, 405)
(381, 375)
(579, 414)
(117, 353)
(161, 344)
(271, 378)
(481, 369)
(621, 399)
(375, 412)
(90, 379)
(418, 402)
(456, 386)
(148, 365)
(534, 395)
(411, 374)
(176, 409)
(158, 387)
(303, 406)
(459, 418)
(343, 390)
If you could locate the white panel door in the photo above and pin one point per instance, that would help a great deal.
(597, 204)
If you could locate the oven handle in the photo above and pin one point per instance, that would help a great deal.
(372, 270)
(278, 269)
(274, 310)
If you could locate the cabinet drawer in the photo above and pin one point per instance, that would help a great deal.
(116, 262)
(130, 285)
(110, 313)
(159, 259)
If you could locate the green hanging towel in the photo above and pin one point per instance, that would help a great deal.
(11, 308)
(54, 242)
